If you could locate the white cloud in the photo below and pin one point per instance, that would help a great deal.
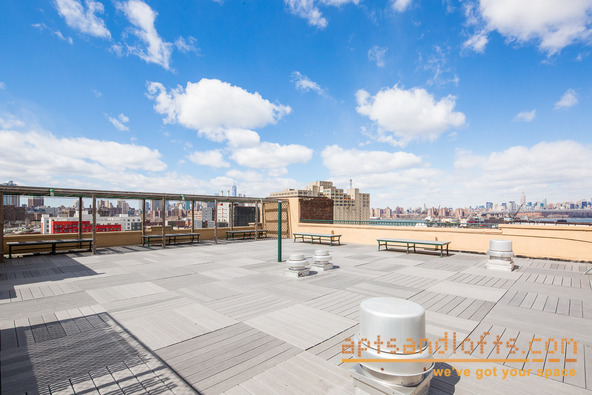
(409, 114)
(241, 138)
(569, 99)
(546, 169)
(57, 33)
(96, 93)
(153, 49)
(120, 122)
(305, 84)
(525, 116)
(70, 157)
(213, 158)
(437, 63)
(352, 162)
(9, 121)
(186, 45)
(252, 182)
(271, 155)
(376, 54)
(554, 24)
(2, 85)
(213, 104)
(308, 9)
(83, 20)
(477, 42)
(401, 5)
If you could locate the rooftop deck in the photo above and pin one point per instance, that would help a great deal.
(224, 318)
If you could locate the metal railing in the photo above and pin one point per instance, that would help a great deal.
(429, 224)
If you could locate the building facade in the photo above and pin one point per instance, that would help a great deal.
(349, 205)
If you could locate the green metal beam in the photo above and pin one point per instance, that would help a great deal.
(279, 230)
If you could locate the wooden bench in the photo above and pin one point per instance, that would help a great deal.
(318, 236)
(441, 244)
(26, 245)
(170, 238)
(231, 234)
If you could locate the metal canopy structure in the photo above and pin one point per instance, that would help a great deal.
(101, 194)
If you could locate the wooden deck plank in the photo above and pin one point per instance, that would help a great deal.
(276, 386)
(227, 378)
(575, 308)
(104, 382)
(84, 385)
(529, 300)
(126, 380)
(551, 305)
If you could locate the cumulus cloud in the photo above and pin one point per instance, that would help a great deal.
(409, 115)
(553, 24)
(569, 99)
(305, 84)
(212, 104)
(401, 5)
(308, 9)
(544, 169)
(151, 47)
(525, 116)
(376, 54)
(83, 19)
(70, 157)
(213, 158)
(352, 162)
(271, 155)
(120, 122)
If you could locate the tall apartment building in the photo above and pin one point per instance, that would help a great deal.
(12, 200)
(348, 205)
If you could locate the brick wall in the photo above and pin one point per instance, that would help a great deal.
(316, 208)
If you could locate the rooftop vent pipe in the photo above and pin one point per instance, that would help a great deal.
(500, 255)
(322, 261)
(297, 266)
(400, 325)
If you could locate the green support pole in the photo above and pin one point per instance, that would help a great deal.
(279, 230)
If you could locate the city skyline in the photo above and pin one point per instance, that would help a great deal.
(443, 103)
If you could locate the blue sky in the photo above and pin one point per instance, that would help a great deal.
(449, 103)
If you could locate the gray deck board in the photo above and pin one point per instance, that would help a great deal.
(224, 319)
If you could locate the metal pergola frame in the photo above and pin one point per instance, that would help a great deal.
(142, 196)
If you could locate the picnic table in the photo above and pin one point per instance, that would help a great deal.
(409, 243)
(318, 236)
(26, 245)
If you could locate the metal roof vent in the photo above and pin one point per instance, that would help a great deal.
(322, 261)
(392, 329)
(500, 255)
(297, 266)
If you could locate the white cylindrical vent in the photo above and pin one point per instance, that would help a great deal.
(392, 328)
(297, 262)
(500, 245)
(500, 255)
(322, 256)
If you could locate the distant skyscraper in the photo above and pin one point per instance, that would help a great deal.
(234, 190)
(13, 200)
(523, 199)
